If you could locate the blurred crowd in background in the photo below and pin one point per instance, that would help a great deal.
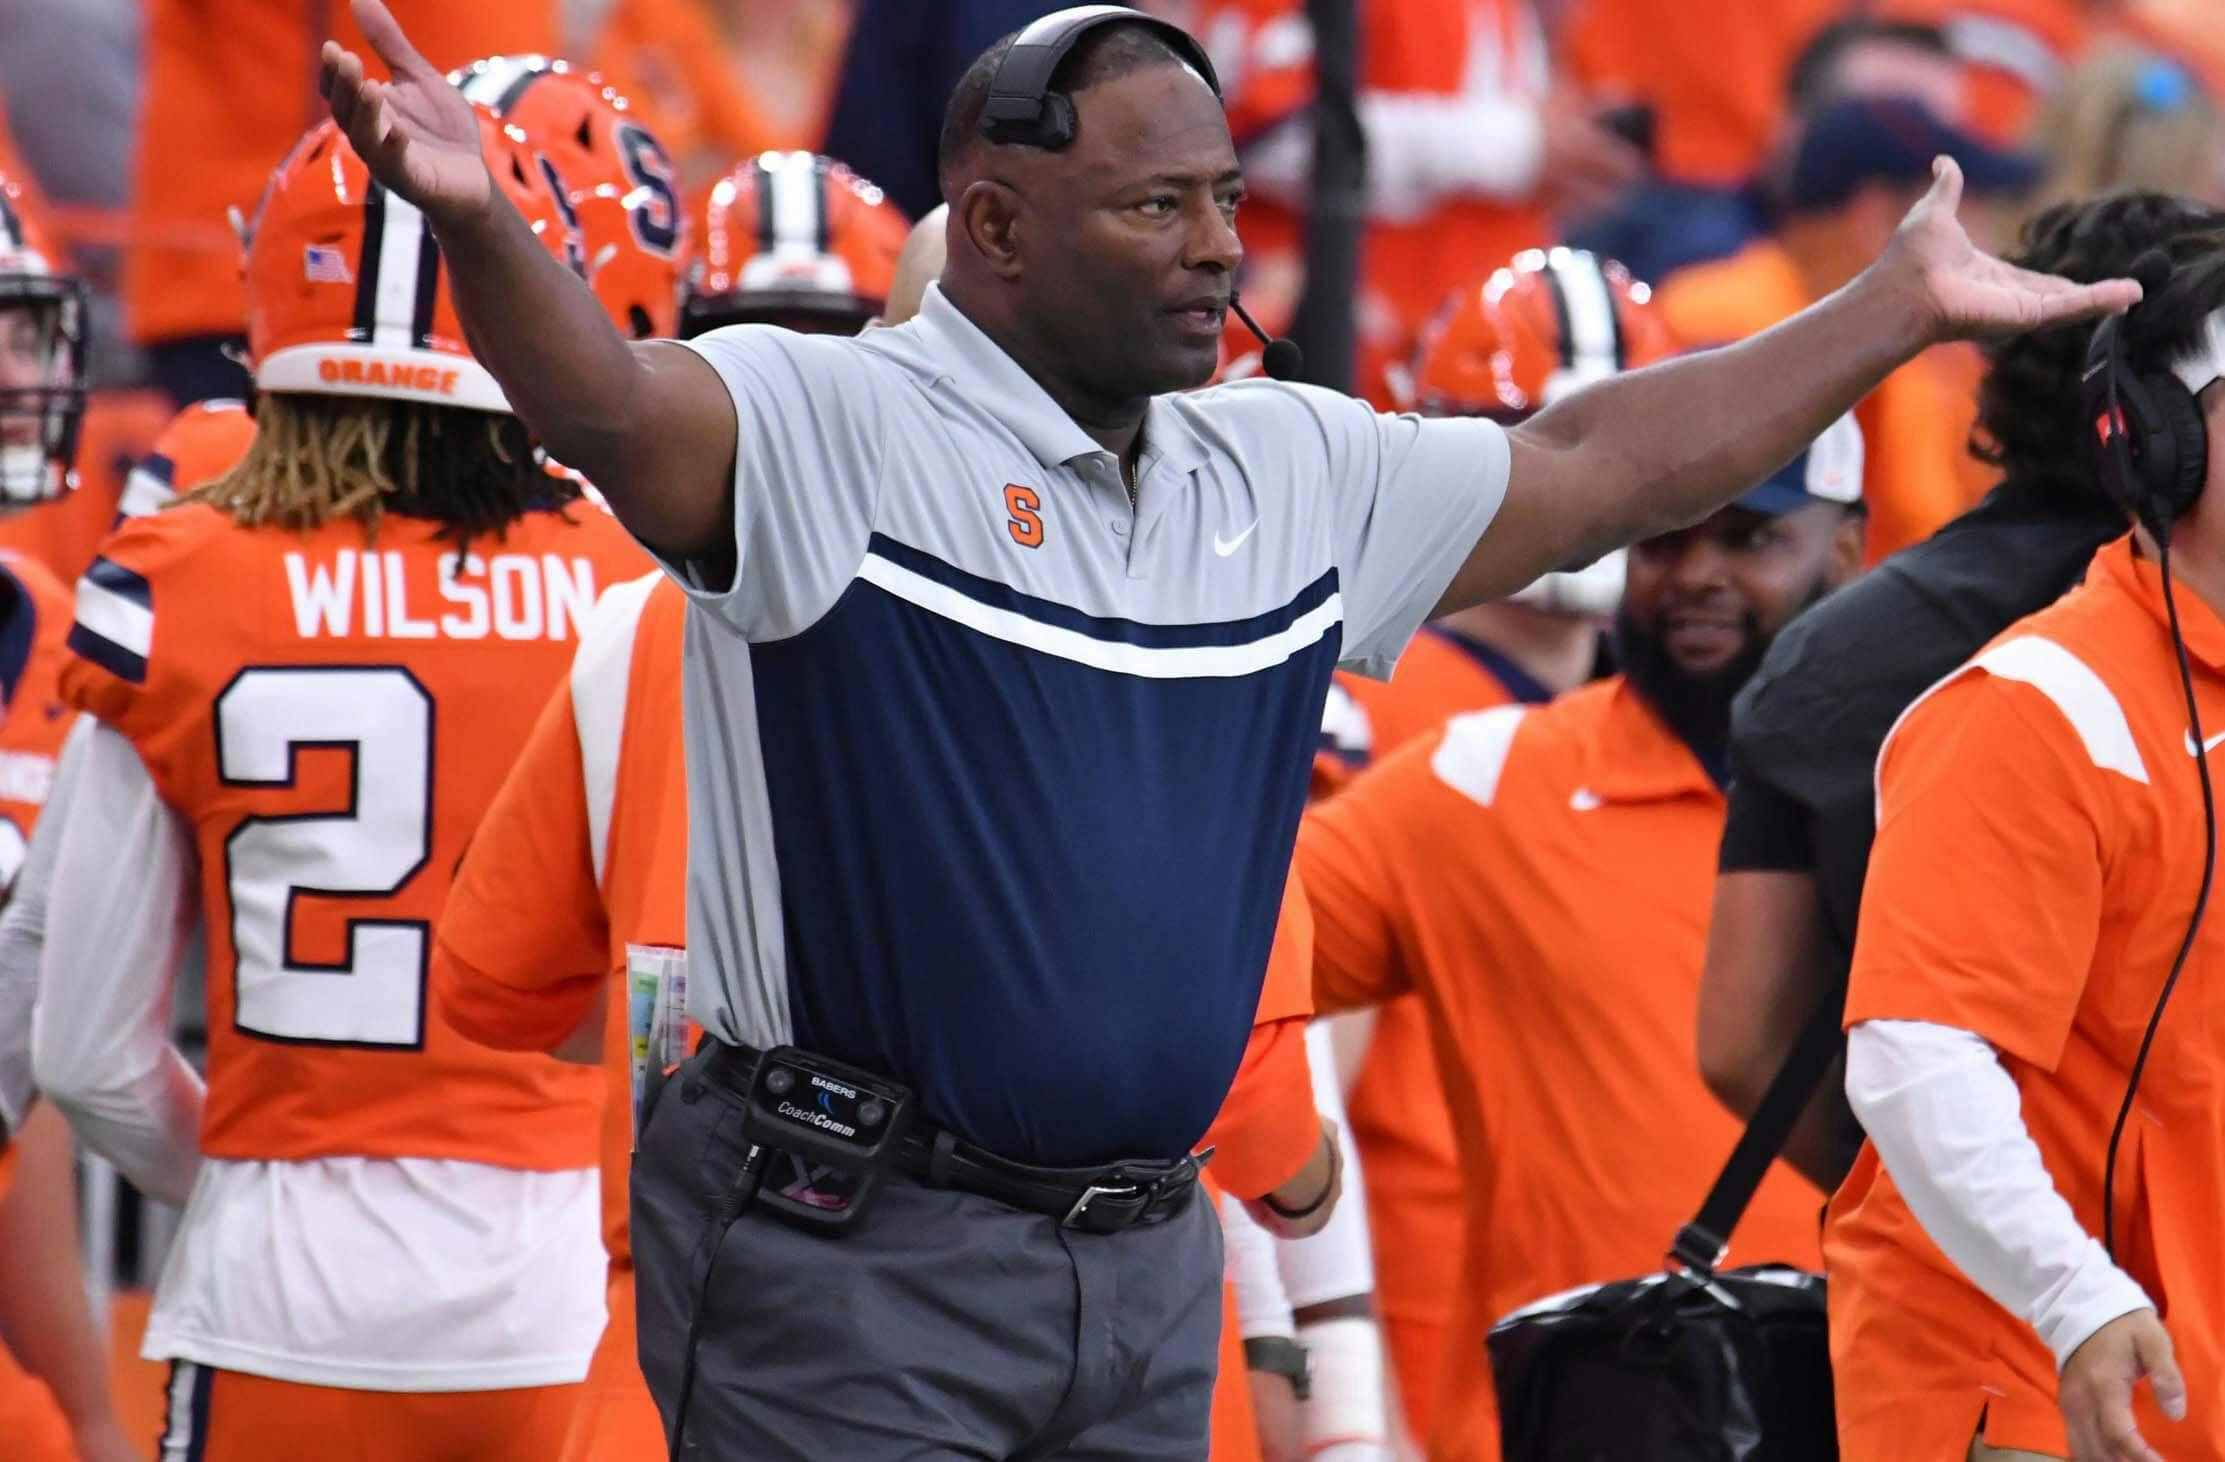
(1742, 157)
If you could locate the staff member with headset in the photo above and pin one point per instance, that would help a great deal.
(1806, 730)
(1004, 669)
(2047, 1158)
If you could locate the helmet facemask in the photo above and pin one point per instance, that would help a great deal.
(42, 384)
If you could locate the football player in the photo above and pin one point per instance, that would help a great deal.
(310, 674)
(56, 1406)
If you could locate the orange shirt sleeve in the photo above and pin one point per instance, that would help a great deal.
(522, 952)
(1267, 1126)
(1984, 896)
(1348, 861)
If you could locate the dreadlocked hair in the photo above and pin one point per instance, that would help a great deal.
(316, 459)
(2029, 423)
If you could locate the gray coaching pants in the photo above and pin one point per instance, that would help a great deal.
(946, 1326)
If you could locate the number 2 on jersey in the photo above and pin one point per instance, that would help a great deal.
(382, 717)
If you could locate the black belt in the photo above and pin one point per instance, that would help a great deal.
(1097, 1200)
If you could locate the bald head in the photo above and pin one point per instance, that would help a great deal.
(919, 265)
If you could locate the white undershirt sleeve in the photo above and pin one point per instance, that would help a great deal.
(1261, 1306)
(1348, 1416)
(117, 916)
(1338, 1262)
(1948, 1123)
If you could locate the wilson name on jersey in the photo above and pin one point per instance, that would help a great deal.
(510, 596)
(329, 716)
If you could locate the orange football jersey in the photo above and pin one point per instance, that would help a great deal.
(34, 623)
(331, 712)
(199, 445)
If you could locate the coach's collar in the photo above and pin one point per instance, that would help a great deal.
(995, 382)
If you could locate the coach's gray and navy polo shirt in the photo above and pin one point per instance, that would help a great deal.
(993, 780)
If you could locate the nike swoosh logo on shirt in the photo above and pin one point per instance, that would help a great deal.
(2206, 747)
(1226, 546)
(1584, 799)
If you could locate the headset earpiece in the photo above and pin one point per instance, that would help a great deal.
(2177, 440)
(1057, 128)
(2153, 445)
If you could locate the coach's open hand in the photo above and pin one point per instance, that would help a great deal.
(416, 133)
(1967, 293)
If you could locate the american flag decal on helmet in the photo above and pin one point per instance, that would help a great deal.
(322, 265)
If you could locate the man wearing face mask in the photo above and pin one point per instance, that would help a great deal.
(1541, 877)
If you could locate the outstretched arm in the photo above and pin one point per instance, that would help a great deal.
(1652, 450)
(650, 425)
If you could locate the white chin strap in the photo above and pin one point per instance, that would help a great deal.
(27, 475)
(1591, 592)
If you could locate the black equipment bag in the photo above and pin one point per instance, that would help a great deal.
(1697, 1364)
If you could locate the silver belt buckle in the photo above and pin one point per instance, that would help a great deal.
(1090, 1195)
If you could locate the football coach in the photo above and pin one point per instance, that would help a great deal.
(1004, 671)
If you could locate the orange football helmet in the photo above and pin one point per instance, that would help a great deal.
(345, 291)
(797, 239)
(42, 358)
(1547, 323)
(611, 170)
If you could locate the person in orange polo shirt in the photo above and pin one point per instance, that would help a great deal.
(1541, 878)
(1518, 340)
(2001, 1269)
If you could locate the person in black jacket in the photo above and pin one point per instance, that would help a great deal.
(1807, 728)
